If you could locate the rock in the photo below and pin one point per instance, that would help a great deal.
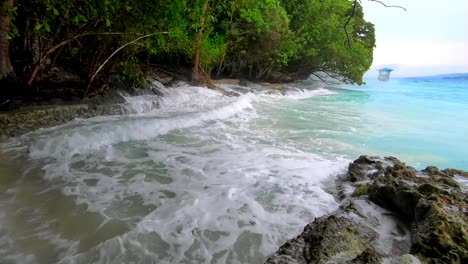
(279, 87)
(432, 202)
(250, 84)
(429, 218)
(454, 172)
(164, 77)
(404, 259)
(166, 80)
(330, 238)
(227, 81)
(222, 90)
(361, 190)
(367, 256)
(362, 168)
(26, 119)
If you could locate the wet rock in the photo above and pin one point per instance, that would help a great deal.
(367, 256)
(364, 168)
(454, 172)
(331, 238)
(250, 84)
(25, 119)
(227, 81)
(429, 204)
(164, 77)
(431, 200)
(404, 259)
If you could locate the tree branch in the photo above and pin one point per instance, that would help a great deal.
(345, 26)
(320, 78)
(382, 3)
(63, 43)
(347, 23)
(115, 52)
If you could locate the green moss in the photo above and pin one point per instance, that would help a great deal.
(360, 190)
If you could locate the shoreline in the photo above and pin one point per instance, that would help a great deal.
(26, 116)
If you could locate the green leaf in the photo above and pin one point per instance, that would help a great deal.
(47, 27)
(37, 26)
(83, 18)
(56, 12)
(14, 30)
(108, 22)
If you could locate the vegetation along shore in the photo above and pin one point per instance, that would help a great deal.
(77, 49)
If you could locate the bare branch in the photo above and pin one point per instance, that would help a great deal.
(382, 3)
(320, 78)
(115, 52)
(335, 76)
(60, 45)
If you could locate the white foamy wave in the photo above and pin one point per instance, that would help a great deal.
(188, 98)
(204, 179)
(141, 104)
(204, 198)
(82, 136)
(295, 93)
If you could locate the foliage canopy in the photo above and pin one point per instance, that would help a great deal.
(275, 40)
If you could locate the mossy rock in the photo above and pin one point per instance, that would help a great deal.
(454, 172)
(359, 169)
(435, 206)
(368, 256)
(362, 189)
(439, 235)
(331, 238)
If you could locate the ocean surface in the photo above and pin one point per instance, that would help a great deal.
(207, 178)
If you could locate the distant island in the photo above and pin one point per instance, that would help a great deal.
(449, 76)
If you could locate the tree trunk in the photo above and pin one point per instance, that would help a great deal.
(196, 62)
(5, 26)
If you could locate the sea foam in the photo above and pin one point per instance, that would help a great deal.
(204, 178)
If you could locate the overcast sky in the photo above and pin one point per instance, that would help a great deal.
(430, 37)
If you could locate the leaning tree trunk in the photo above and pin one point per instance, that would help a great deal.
(196, 62)
(5, 26)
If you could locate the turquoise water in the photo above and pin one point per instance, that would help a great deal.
(422, 121)
(206, 178)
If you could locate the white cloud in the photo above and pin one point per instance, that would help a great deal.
(429, 38)
(421, 53)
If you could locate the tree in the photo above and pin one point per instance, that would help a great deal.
(274, 40)
(258, 40)
(6, 14)
(324, 45)
(198, 42)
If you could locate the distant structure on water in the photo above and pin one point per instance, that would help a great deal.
(384, 74)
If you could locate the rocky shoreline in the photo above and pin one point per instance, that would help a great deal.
(390, 213)
(28, 117)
